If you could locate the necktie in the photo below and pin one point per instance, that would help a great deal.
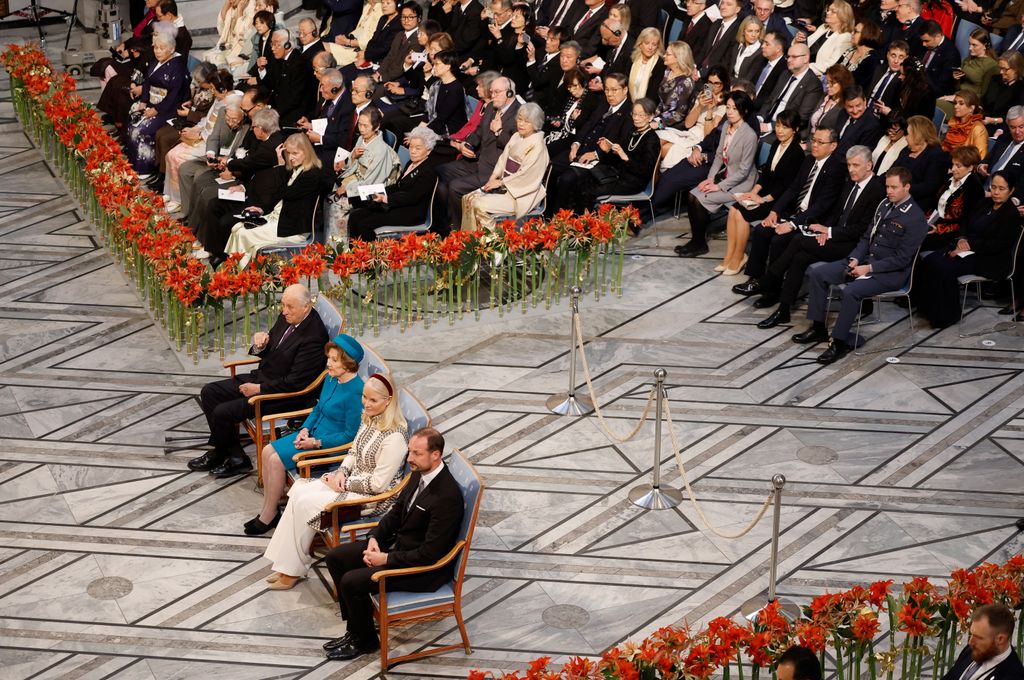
(287, 332)
(850, 202)
(845, 125)
(419, 489)
(807, 185)
(1016, 44)
(761, 78)
(782, 98)
(586, 16)
(880, 87)
(971, 670)
(1005, 158)
(928, 57)
(352, 129)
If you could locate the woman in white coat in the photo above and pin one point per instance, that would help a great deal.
(833, 38)
(517, 184)
(234, 36)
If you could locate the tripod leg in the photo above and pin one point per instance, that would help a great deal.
(71, 23)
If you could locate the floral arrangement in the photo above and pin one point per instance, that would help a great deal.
(393, 281)
(920, 620)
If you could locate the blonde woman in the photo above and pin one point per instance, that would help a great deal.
(833, 38)
(517, 184)
(234, 35)
(749, 60)
(676, 87)
(289, 210)
(373, 466)
(345, 48)
(646, 73)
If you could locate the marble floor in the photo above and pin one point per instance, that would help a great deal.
(116, 562)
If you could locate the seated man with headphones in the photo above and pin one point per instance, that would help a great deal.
(289, 77)
(480, 152)
(337, 109)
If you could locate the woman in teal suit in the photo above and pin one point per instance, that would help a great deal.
(333, 422)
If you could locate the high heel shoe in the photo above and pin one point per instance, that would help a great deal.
(721, 268)
(284, 582)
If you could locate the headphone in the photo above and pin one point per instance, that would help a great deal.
(511, 91)
(287, 45)
(336, 89)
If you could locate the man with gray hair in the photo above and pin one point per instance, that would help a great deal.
(337, 110)
(291, 356)
(908, 13)
(290, 77)
(1008, 153)
(830, 239)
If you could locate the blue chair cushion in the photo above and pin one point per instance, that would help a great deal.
(401, 601)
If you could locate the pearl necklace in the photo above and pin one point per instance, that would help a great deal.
(632, 145)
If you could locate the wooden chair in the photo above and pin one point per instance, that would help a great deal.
(400, 608)
(256, 427)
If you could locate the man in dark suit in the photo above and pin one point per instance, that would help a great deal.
(940, 58)
(480, 152)
(420, 529)
(616, 51)
(988, 654)
(697, 30)
(885, 85)
(544, 70)
(831, 239)
(290, 78)
(800, 92)
(1008, 153)
(340, 18)
(885, 16)
(291, 356)
(392, 66)
(855, 124)
(773, 49)
(1013, 41)
(765, 11)
(722, 46)
(462, 21)
(564, 13)
(553, 96)
(807, 201)
(880, 262)
(586, 30)
(908, 13)
(337, 109)
(611, 119)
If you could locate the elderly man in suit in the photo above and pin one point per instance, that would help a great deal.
(807, 201)
(480, 152)
(831, 239)
(881, 262)
(421, 527)
(337, 110)
(545, 70)
(988, 654)
(800, 92)
(1008, 153)
(291, 356)
(290, 77)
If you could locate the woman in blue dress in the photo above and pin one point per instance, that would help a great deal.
(334, 421)
(165, 87)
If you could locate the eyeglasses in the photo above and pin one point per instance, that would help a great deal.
(409, 16)
(716, 83)
(822, 142)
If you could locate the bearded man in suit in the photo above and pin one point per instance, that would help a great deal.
(988, 654)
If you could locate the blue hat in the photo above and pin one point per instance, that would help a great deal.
(350, 345)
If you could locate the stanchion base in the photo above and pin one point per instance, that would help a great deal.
(752, 607)
(650, 498)
(569, 404)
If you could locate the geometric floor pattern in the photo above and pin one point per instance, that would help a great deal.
(116, 562)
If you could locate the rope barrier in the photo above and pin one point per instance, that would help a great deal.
(676, 448)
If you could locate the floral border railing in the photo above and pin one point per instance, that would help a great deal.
(923, 623)
(417, 278)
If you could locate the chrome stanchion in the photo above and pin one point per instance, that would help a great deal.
(567, 403)
(652, 496)
(752, 607)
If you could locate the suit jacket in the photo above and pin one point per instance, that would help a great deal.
(890, 244)
(775, 182)
(340, 18)
(1009, 669)
(751, 66)
(724, 51)
(890, 96)
(1012, 33)
(824, 193)
(466, 28)
(697, 34)
(393, 64)
(383, 36)
(488, 145)
(912, 34)
(742, 169)
(928, 175)
(588, 35)
(292, 81)
(940, 70)
(410, 194)
(623, 60)
(859, 215)
(291, 365)
(866, 130)
(806, 96)
(544, 78)
(1014, 166)
(298, 199)
(259, 156)
(771, 81)
(337, 131)
(616, 127)
(427, 530)
(993, 238)
(223, 136)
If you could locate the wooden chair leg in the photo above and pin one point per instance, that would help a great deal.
(462, 628)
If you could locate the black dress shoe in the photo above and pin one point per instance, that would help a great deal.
(837, 349)
(812, 335)
(766, 301)
(256, 527)
(206, 462)
(691, 250)
(351, 650)
(751, 287)
(1005, 311)
(338, 642)
(778, 317)
(231, 468)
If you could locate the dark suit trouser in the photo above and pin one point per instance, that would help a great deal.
(680, 177)
(833, 273)
(786, 272)
(353, 580)
(214, 220)
(458, 178)
(765, 247)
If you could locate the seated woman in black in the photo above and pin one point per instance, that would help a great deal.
(406, 202)
(927, 162)
(623, 170)
(1004, 91)
(985, 247)
(445, 108)
(580, 102)
(957, 200)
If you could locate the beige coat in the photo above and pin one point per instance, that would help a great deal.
(524, 188)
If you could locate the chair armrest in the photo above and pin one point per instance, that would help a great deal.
(371, 499)
(302, 457)
(288, 414)
(257, 398)
(233, 365)
(407, 571)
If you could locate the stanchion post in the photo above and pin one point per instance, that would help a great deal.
(752, 607)
(652, 496)
(567, 403)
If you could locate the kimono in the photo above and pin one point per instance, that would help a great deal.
(166, 85)
(521, 169)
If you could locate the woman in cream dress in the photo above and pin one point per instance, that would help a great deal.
(518, 175)
(344, 48)
(373, 466)
(234, 36)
